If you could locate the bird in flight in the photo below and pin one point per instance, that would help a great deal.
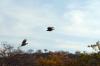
(24, 42)
(50, 28)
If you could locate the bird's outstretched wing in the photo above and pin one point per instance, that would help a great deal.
(24, 42)
(50, 28)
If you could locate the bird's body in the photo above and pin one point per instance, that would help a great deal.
(24, 42)
(50, 28)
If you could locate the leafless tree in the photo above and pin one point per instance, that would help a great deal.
(6, 50)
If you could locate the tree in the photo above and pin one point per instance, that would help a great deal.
(6, 50)
(45, 50)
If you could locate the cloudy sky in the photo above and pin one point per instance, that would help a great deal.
(76, 22)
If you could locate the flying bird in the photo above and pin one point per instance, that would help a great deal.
(24, 42)
(50, 28)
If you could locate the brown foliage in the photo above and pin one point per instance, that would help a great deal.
(16, 57)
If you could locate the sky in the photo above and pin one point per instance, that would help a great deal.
(76, 22)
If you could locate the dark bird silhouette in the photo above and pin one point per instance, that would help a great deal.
(50, 28)
(24, 42)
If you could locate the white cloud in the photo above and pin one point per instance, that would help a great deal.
(77, 25)
(31, 21)
(82, 21)
(76, 46)
(26, 19)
